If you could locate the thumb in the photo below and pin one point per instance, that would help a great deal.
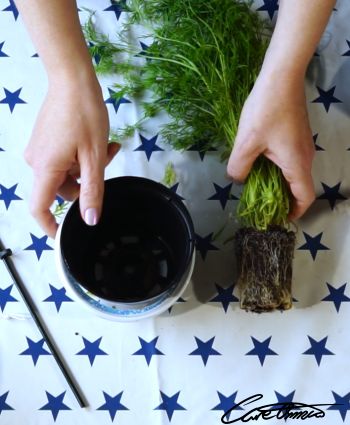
(91, 188)
(242, 157)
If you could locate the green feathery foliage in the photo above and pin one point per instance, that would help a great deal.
(60, 209)
(169, 178)
(265, 199)
(199, 69)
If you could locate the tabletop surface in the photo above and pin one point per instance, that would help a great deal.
(204, 355)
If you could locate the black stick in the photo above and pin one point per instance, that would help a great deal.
(5, 256)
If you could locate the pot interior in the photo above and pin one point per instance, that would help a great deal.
(140, 248)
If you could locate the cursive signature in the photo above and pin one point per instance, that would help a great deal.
(280, 410)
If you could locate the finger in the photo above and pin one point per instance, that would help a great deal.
(91, 186)
(45, 186)
(74, 171)
(242, 157)
(70, 189)
(298, 176)
(112, 149)
(303, 191)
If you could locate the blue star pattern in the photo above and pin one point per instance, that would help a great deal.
(38, 245)
(3, 404)
(5, 297)
(284, 400)
(8, 195)
(347, 53)
(313, 244)
(343, 404)
(148, 349)
(96, 56)
(326, 97)
(331, 194)
(261, 349)
(197, 147)
(92, 349)
(144, 47)
(112, 404)
(117, 7)
(318, 349)
(170, 404)
(55, 404)
(269, 6)
(148, 146)
(2, 53)
(132, 363)
(115, 100)
(225, 296)
(12, 8)
(12, 98)
(317, 147)
(58, 296)
(35, 349)
(59, 200)
(174, 189)
(223, 194)
(205, 349)
(203, 245)
(179, 301)
(143, 52)
(226, 404)
(336, 295)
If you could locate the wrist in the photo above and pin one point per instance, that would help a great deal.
(279, 71)
(78, 75)
(280, 83)
(283, 65)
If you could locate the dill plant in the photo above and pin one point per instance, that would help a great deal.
(200, 67)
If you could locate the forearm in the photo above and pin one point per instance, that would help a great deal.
(55, 30)
(299, 27)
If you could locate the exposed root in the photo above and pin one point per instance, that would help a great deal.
(265, 260)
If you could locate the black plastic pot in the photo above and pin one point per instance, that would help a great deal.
(141, 249)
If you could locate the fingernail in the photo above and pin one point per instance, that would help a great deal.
(90, 216)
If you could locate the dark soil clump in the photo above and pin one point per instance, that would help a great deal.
(264, 260)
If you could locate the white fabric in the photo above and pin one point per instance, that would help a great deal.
(231, 371)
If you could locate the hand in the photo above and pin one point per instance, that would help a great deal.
(69, 141)
(274, 122)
